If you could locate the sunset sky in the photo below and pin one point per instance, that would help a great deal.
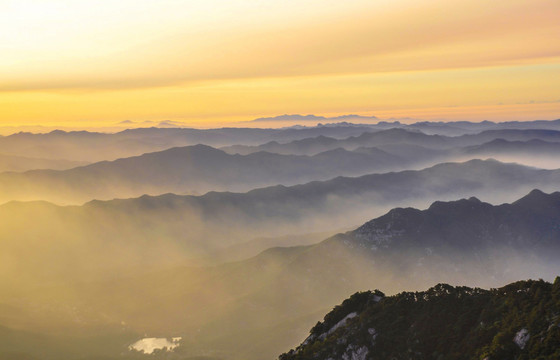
(218, 62)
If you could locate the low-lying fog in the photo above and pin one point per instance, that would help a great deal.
(245, 274)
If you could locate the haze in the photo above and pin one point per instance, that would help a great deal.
(188, 180)
(82, 63)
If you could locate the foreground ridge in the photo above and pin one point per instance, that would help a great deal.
(518, 321)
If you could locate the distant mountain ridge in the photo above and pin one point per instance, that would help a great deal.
(96, 146)
(200, 168)
(394, 136)
(298, 117)
(190, 170)
(533, 146)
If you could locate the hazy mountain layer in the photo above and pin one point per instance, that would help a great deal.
(21, 163)
(310, 146)
(517, 321)
(190, 170)
(250, 309)
(92, 146)
(151, 231)
(539, 153)
(198, 169)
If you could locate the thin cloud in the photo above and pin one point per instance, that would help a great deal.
(432, 36)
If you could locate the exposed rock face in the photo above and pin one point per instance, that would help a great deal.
(444, 322)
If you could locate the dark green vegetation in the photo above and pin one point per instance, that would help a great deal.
(518, 321)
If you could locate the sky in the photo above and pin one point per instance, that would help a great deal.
(220, 62)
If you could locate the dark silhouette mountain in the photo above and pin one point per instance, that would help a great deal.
(530, 224)
(190, 170)
(516, 321)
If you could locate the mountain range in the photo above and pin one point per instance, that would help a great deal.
(190, 170)
(113, 243)
(310, 146)
(181, 228)
(96, 146)
(250, 308)
(200, 168)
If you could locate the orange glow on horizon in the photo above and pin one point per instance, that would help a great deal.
(223, 63)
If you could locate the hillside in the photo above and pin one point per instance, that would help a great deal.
(518, 321)
(260, 306)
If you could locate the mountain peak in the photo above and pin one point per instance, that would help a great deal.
(535, 197)
(455, 205)
(536, 193)
(471, 221)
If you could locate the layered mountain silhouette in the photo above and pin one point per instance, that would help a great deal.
(95, 146)
(192, 169)
(200, 168)
(196, 225)
(501, 146)
(246, 269)
(451, 128)
(393, 136)
(265, 301)
(318, 144)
